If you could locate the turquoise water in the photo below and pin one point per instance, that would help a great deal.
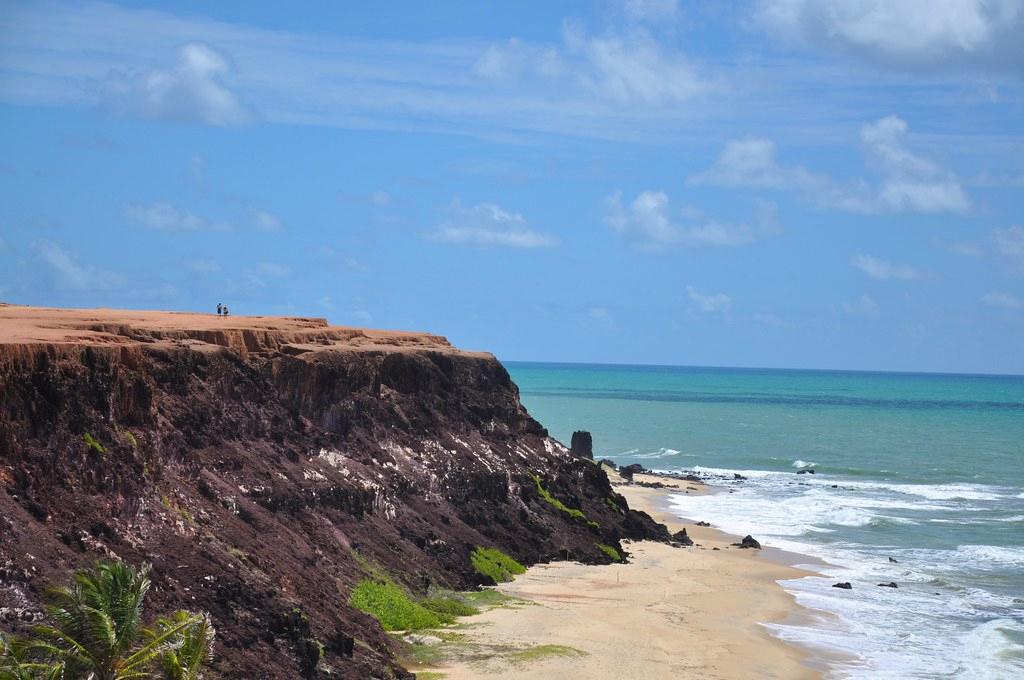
(928, 470)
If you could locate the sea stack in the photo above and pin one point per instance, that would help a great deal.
(582, 445)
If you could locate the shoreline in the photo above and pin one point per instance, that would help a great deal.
(670, 612)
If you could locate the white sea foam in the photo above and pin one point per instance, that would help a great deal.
(803, 464)
(938, 623)
(662, 453)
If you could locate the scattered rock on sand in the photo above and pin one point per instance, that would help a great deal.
(703, 524)
(628, 471)
(749, 542)
(890, 584)
(682, 538)
(845, 585)
(693, 478)
(420, 639)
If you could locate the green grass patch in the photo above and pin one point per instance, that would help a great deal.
(610, 551)
(575, 513)
(430, 675)
(495, 564)
(489, 598)
(541, 652)
(613, 505)
(447, 609)
(91, 442)
(392, 606)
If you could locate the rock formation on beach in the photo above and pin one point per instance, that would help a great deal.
(265, 465)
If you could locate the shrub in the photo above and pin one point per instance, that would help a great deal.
(391, 605)
(495, 564)
(610, 551)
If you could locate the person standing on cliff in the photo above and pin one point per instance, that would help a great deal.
(220, 307)
(225, 310)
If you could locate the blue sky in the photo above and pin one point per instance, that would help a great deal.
(780, 183)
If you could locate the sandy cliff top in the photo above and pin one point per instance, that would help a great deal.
(21, 325)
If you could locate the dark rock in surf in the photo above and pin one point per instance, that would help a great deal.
(702, 524)
(893, 560)
(748, 542)
(582, 445)
(890, 584)
(693, 478)
(805, 471)
(738, 476)
(845, 585)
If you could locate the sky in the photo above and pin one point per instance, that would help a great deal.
(771, 183)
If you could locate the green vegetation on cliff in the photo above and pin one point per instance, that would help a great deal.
(495, 564)
(610, 551)
(390, 604)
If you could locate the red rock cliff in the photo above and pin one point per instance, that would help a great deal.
(261, 463)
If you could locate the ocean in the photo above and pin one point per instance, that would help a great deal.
(926, 469)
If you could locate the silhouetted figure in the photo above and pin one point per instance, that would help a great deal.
(220, 308)
(225, 310)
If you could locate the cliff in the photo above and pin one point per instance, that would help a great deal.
(265, 465)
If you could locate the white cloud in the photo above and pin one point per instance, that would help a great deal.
(266, 221)
(633, 69)
(193, 91)
(618, 68)
(488, 224)
(918, 34)
(882, 270)
(651, 224)
(710, 302)
(909, 182)
(380, 198)
(1002, 300)
(167, 217)
(70, 274)
(865, 305)
(751, 162)
(164, 216)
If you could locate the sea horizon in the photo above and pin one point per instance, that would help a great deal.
(613, 364)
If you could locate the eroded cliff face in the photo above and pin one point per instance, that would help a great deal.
(264, 466)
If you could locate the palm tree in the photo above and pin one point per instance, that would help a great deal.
(192, 650)
(97, 631)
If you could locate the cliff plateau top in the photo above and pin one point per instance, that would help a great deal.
(120, 328)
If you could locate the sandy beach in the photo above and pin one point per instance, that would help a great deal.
(669, 613)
